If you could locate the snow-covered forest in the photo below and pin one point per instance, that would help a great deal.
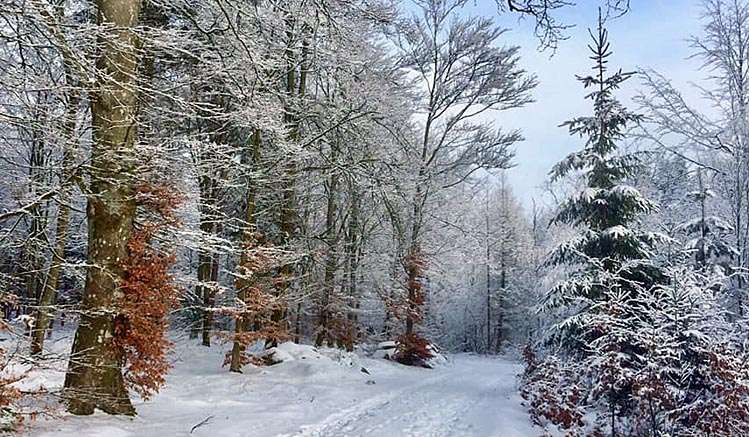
(302, 218)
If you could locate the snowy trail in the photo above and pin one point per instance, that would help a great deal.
(319, 394)
(472, 397)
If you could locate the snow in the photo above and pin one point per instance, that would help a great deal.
(318, 392)
(626, 191)
(589, 194)
(618, 232)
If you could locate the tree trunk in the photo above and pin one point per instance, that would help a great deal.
(331, 240)
(352, 265)
(298, 323)
(242, 322)
(209, 293)
(35, 249)
(47, 297)
(411, 306)
(288, 218)
(204, 276)
(209, 300)
(94, 378)
(295, 90)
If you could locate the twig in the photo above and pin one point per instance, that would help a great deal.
(203, 422)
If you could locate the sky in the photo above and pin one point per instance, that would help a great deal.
(652, 35)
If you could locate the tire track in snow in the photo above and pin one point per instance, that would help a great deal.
(336, 422)
(463, 400)
(446, 417)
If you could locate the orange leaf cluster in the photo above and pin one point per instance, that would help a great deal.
(411, 304)
(415, 267)
(552, 394)
(258, 304)
(10, 396)
(342, 330)
(257, 310)
(412, 349)
(9, 400)
(725, 412)
(149, 292)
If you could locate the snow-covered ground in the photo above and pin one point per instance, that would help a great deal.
(318, 393)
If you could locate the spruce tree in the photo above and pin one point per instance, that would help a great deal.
(610, 254)
(707, 235)
(610, 261)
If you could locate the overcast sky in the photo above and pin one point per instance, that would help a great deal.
(653, 35)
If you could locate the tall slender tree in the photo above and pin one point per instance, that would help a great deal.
(465, 75)
(606, 210)
(94, 378)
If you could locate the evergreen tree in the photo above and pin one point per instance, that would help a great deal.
(707, 234)
(611, 259)
(689, 368)
(611, 267)
(652, 351)
(606, 209)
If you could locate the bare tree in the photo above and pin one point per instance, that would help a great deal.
(548, 29)
(464, 75)
(94, 378)
(717, 142)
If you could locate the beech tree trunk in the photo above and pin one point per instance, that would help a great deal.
(242, 323)
(352, 266)
(47, 297)
(35, 250)
(213, 260)
(296, 86)
(94, 379)
(412, 309)
(204, 274)
(331, 239)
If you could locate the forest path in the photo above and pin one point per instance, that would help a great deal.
(315, 393)
(471, 396)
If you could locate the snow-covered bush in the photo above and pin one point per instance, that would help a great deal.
(645, 347)
(552, 394)
(666, 362)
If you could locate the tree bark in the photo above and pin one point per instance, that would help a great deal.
(94, 378)
(203, 276)
(331, 240)
(242, 322)
(352, 265)
(35, 249)
(61, 228)
(411, 306)
(296, 86)
(202, 290)
(212, 260)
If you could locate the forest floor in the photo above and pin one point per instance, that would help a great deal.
(320, 393)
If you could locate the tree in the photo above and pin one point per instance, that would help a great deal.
(548, 30)
(707, 234)
(67, 175)
(611, 257)
(716, 142)
(688, 378)
(464, 75)
(651, 342)
(94, 378)
(606, 208)
(509, 267)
